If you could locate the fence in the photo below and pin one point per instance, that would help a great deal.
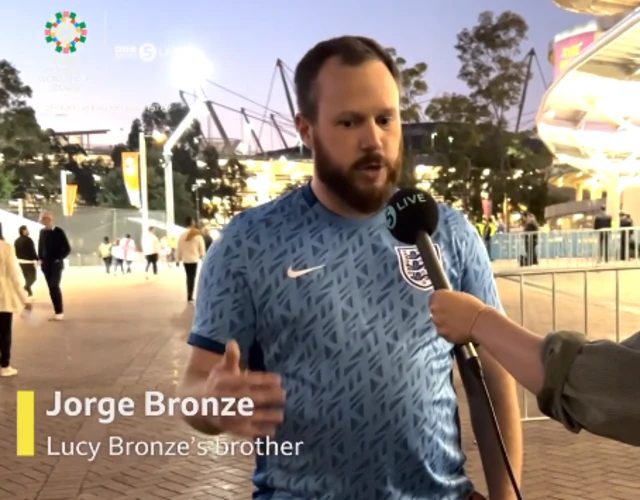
(567, 248)
(581, 300)
(89, 225)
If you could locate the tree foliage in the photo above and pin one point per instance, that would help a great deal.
(226, 182)
(492, 64)
(26, 170)
(414, 87)
(6, 183)
(480, 156)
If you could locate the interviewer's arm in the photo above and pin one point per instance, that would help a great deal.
(583, 385)
(514, 347)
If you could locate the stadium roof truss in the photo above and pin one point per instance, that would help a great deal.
(590, 116)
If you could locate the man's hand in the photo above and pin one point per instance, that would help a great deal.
(454, 314)
(227, 380)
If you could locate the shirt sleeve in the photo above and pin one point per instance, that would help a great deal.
(477, 273)
(593, 385)
(224, 309)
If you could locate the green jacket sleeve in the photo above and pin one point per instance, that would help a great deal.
(593, 385)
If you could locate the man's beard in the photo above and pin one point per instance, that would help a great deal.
(345, 185)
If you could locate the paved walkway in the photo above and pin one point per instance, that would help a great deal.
(124, 336)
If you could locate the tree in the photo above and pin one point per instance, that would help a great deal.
(114, 193)
(226, 183)
(23, 144)
(6, 183)
(183, 198)
(86, 174)
(413, 86)
(491, 60)
(480, 156)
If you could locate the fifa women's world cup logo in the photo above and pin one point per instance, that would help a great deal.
(65, 32)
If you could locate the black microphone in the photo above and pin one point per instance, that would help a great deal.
(412, 217)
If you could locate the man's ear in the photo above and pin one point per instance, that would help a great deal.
(304, 131)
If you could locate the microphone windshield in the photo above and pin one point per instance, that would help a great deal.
(410, 211)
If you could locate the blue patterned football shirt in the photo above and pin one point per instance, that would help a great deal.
(339, 309)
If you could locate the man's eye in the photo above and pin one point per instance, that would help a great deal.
(347, 123)
(384, 120)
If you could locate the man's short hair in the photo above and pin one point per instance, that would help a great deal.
(351, 50)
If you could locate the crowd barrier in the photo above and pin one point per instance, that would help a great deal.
(575, 248)
(557, 249)
(576, 299)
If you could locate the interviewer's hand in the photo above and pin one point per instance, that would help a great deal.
(454, 314)
(227, 380)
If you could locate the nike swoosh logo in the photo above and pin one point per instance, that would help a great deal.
(291, 273)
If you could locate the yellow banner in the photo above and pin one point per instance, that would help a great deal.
(70, 202)
(131, 176)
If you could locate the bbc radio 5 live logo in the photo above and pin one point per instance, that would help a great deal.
(146, 52)
(65, 32)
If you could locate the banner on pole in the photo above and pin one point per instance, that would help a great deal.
(71, 193)
(131, 176)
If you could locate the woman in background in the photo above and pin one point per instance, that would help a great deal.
(118, 257)
(104, 251)
(190, 251)
(12, 300)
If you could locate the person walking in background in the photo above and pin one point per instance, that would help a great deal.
(488, 230)
(190, 250)
(12, 300)
(602, 223)
(27, 258)
(117, 257)
(104, 251)
(151, 250)
(53, 249)
(531, 230)
(128, 251)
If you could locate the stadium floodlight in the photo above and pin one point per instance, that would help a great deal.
(190, 68)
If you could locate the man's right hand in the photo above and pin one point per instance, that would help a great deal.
(228, 380)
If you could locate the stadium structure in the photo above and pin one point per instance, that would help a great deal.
(589, 116)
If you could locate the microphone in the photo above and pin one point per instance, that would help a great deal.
(412, 217)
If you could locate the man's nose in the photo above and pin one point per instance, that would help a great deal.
(371, 136)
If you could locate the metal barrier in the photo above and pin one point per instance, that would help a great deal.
(587, 274)
(566, 247)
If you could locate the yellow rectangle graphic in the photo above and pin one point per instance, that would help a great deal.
(25, 423)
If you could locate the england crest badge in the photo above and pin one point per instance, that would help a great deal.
(412, 268)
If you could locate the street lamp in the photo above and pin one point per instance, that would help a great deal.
(190, 68)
